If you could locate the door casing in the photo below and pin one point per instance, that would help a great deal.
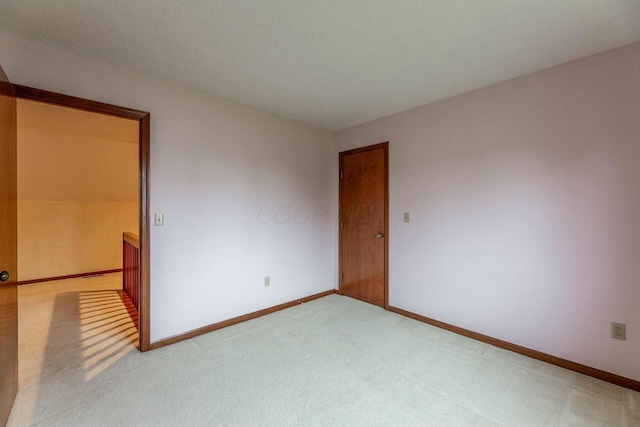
(385, 147)
(143, 119)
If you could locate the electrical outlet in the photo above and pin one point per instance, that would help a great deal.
(267, 281)
(406, 217)
(619, 331)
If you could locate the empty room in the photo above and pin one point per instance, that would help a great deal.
(410, 213)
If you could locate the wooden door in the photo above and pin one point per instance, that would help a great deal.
(363, 224)
(8, 250)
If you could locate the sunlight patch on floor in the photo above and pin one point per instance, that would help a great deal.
(108, 332)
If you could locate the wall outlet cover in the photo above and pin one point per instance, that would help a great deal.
(267, 281)
(619, 331)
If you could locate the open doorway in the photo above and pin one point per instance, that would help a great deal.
(77, 191)
(94, 193)
(77, 197)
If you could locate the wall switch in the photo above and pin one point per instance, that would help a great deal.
(619, 331)
(267, 281)
(406, 217)
(159, 219)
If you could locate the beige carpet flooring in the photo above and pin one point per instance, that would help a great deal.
(333, 361)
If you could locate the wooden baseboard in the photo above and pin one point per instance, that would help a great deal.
(534, 354)
(71, 276)
(235, 320)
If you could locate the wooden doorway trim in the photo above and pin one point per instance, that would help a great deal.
(385, 147)
(143, 119)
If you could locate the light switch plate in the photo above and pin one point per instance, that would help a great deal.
(159, 220)
(407, 217)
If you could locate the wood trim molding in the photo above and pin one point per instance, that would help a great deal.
(144, 234)
(367, 148)
(70, 276)
(40, 95)
(215, 326)
(534, 354)
(386, 224)
(385, 147)
(6, 88)
(144, 126)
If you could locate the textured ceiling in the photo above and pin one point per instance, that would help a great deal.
(331, 63)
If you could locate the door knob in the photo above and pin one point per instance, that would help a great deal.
(4, 276)
(380, 235)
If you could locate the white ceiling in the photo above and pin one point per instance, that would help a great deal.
(332, 63)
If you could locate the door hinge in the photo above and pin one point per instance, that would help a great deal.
(341, 276)
(341, 225)
(341, 174)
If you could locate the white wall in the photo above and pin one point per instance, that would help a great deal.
(525, 209)
(63, 237)
(214, 166)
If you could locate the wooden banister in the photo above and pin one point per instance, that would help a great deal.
(131, 238)
(131, 267)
